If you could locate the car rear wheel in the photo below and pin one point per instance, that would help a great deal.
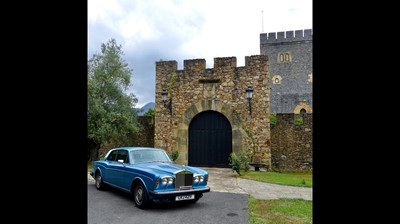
(99, 182)
(140, 196)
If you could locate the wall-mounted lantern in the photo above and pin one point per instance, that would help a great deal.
(167, 104)
(249, 94)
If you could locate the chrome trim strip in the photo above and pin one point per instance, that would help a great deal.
(126, 190)
(206, 189)
(178, 171)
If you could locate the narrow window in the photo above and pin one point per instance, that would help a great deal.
(281, 58)
(276, 79)
(302, 112)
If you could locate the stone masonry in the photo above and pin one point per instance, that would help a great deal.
(196, 89)
(292, 147)
(290, 68)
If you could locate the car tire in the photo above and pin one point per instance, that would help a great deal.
(99, 181)
(140, 196)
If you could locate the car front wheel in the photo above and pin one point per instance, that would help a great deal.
(140, 196)
(99, 181)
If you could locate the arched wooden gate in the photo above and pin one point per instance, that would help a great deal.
(210, 140)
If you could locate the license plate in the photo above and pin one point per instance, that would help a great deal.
(184, 197)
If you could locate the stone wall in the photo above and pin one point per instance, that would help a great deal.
(292, 147)
(145, 137)
(196, 89)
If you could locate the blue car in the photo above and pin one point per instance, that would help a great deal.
(149, 175)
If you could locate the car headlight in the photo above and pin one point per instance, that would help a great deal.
(167, 180)
(198, 178)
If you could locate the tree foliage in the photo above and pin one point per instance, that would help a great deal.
(150, 112)
(110, 110)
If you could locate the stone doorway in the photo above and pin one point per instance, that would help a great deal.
(210, 140)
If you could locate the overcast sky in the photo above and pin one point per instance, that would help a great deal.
(150, 30)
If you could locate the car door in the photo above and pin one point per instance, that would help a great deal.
(123, 174)
(110, 175)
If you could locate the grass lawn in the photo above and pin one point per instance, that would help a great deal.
(300, 179)
(288, 211)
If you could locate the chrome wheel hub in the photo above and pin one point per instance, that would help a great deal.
(98, 181)
(139, 195)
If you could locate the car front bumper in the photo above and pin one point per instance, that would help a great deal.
(163, 194)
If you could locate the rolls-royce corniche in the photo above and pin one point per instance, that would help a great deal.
(149, 175)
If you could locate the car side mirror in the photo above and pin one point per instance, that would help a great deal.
(121, 161)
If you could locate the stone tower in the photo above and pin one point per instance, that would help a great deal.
(290, 67)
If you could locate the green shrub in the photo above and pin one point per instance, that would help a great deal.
(234, 163)
(272, 118)
(245, 160)
(298, 120)
(239, 162)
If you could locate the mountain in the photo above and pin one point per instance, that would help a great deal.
(145, 108)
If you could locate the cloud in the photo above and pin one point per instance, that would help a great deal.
(186, 29)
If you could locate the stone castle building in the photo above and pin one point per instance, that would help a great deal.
(207, 116)
(290, 68)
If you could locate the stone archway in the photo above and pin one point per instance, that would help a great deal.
(210, 140)
(182, 134)
(301, 106)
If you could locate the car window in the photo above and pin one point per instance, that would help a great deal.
(123, 155)
(112, 155)
(137, 157)
(144, 156)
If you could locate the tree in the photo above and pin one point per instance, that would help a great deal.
(151, 113)
(110, 115)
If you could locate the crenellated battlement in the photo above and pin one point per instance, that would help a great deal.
(222, 62)
(194, 64)
(167, 65)
(286, 36)
(219, 62)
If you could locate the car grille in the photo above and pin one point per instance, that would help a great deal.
(184, 180)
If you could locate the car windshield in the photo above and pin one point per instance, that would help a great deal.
(145, 156)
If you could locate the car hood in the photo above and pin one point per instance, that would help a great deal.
(170, 168)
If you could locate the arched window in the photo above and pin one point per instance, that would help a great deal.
(303, 112)
(276, 79)
(281, 58)
(284, 57)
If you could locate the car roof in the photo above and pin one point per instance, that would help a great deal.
(138, 148)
